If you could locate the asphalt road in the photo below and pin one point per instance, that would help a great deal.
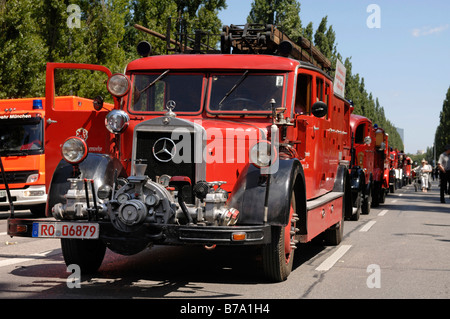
(399, 251)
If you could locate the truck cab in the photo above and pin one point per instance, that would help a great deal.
(23, 155)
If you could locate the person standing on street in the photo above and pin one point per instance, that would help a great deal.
(444, 169)
(425, 171)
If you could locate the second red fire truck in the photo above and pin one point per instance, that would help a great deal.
(369, 165)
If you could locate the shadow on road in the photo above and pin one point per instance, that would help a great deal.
(162, 272)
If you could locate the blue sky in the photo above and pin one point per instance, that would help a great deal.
(405, 63)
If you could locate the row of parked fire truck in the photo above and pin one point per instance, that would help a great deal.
(245, 147)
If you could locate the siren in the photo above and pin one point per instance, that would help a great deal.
(37, 104)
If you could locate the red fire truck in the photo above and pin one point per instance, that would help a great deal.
(369, 171)
(406, 165)
(362, 164)
(22, 147)
(395, 172)
(381, 172)
(207, 148)
(22, 154)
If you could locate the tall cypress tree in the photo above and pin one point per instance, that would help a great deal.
(442, 137)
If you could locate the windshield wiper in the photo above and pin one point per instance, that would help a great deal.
(153, 83)
(242, 78)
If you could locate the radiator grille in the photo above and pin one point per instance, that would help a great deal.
(17, 177)
(144, 146)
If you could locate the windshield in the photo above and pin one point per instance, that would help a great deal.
(151, 92)
(21, 136)
(246, 91)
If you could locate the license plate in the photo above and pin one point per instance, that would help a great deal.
(65, 230)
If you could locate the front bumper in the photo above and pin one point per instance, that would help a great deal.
(168, 234)
(25, 197)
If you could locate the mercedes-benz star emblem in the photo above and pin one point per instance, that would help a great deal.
(164, 149)
(170, 105)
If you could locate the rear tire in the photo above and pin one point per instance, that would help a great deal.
(88, 254)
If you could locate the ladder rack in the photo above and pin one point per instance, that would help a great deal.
(268, 39)
(242, 39)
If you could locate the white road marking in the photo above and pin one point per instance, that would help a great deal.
(11, 260)
(383, 212)
(367, 226)
(330, 261)
(3, 234)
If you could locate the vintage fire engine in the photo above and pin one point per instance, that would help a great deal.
(362, 166)
(208, 148)
(396, 171)
(381, 161)
(407, 170)
(368, 173)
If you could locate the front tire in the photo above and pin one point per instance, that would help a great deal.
(278, 256)
(88, 254)
(367, 202)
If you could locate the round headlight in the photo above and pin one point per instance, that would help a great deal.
(118, 85)
(117, 121)
(74, 150)
(262, 154)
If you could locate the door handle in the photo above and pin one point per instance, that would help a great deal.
(50, 121)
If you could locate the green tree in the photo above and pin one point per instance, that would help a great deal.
(34, 32)
(154, 14)
(442, 136)
(283, 13)
(308, 31)
(321, 41)
(23, 51)
(95, 40)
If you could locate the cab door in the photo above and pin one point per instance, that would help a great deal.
(69, 114)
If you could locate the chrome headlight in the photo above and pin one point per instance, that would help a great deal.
(74, 150)
(262, 154)
(118, 85)
(117, 121)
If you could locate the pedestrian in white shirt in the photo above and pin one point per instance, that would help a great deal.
(425, 171)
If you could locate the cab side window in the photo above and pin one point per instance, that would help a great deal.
(327, 94)
(319, 90)
(322, 92)
(359, 134)
(303, 94)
